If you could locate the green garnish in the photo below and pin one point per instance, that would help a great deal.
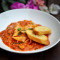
(19, 47)
(19, 29)
(18, 43)
(9, 33)
(13, 48)
(19, 33)
(30, 28)
(22, 42)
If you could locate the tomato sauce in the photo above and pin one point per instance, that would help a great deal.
(7, 39)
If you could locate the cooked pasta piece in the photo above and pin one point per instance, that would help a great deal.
(20, 38)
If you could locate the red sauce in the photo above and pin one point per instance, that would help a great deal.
(7, 39)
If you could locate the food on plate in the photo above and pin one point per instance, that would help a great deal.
(25, 36)
(19, 38)
(38, 38)
(41, 30)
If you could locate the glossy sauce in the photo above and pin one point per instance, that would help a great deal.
(7, 39)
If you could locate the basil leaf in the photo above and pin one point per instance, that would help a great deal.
(18, 43)
(13, 47)
(19, 29)
(22, 42)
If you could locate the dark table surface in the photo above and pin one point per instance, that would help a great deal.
(51, 54)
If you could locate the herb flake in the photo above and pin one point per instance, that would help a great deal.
(13, 48)
(30, 28)
(19, 29)
(16, 43)
(9, 33)
(19, 33)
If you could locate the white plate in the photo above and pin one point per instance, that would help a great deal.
(36, 16)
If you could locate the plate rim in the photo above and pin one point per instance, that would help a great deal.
(34, 51)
